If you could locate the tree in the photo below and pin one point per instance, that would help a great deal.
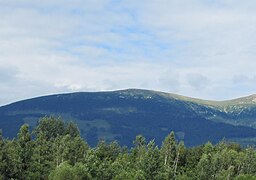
(92, 163)
(1, 154)
(65, 155)
(25, 149)
(42, 157)
(180, 157)
(168, 152)
(51, 127)
(81, 172)
(168, 149)
(139, 148)
(64, 171)
(123, 167)
(204, 170)
(245, 177)
(107, 151)
(61, 147)
(151, 162)
(70, 149)
(11, 160)
(78, 150)
(72, 129)
(106, 154)
(249, 161)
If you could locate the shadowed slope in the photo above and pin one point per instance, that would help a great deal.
(121, 115)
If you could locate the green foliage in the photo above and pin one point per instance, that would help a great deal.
(169, 154)
(72, 129)
(25, 149)
(151, 164)
(51, 127)
(11, 161)
(1, 154)
(61, 154)
(168, 149)
(42, 157)
(63, 172)
(245, 177)
(81, 171)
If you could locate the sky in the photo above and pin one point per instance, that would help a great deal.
(197, 48)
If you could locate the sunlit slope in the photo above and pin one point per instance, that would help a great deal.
(240, 111)
(121, 115)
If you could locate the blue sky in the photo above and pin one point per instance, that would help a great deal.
(198, 48)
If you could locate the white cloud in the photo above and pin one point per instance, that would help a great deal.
(191, 47)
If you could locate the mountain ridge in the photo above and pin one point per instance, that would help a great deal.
(183, 97)
(121, 115)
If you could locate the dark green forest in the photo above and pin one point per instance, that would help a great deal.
(55, 150)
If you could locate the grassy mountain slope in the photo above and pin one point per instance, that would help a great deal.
(121, 115)
(241, 111)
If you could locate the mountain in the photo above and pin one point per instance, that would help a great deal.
(121, 115)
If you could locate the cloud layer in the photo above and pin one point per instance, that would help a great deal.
(199, 48)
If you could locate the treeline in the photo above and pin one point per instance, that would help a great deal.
(55, 150)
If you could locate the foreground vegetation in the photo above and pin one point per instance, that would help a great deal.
(55, 150)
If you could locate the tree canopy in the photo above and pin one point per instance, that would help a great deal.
(55, 150)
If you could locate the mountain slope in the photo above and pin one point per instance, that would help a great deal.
(121, 115)
(241, 111)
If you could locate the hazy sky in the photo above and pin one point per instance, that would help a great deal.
(198, 48)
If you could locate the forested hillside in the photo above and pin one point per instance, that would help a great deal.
(55, 150)
(121, 115)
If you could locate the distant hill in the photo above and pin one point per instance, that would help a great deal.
(121, 115)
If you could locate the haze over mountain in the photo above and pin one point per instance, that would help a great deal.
(121, 115)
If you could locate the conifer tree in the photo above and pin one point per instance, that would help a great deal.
(151, 163)
(1, 154)
(11, 161)
(139, 149)
(25, 149)
(42, 157)
(168, 150)
(65, 155)
(72, 129)
(51, 127)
